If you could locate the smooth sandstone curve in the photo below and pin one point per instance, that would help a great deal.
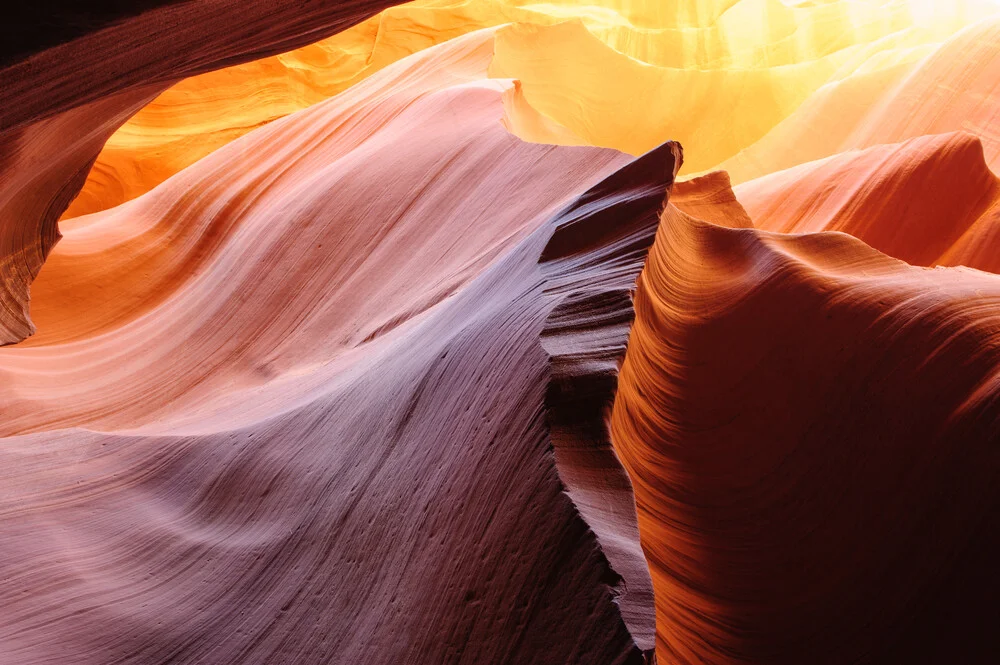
(59, 105)
(811, 431)
(929, 201)
(284, 483)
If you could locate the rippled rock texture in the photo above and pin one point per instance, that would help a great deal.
(369, 334)
(812, 429)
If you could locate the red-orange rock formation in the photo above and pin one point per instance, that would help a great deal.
(342, 383)
(914, 201)
(811, 428)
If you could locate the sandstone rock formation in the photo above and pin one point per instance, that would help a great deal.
(59, 105)
(380, 459)
(396, 337)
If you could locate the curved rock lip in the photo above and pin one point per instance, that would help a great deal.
(591, 263)
(40, 100)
